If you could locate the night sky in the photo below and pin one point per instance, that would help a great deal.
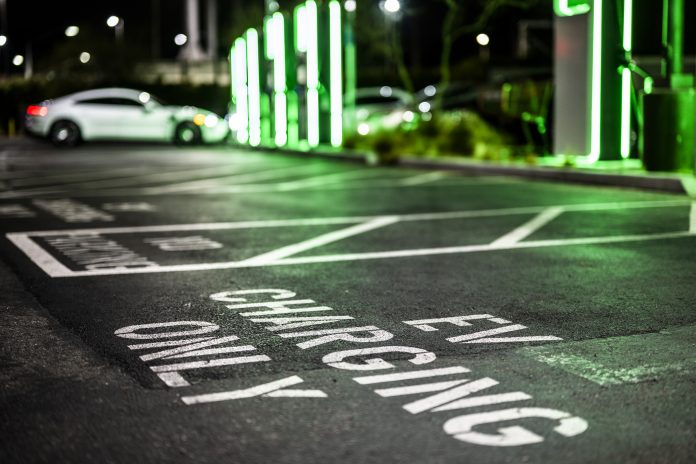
(43, 22)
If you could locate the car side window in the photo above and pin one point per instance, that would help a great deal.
(110, 101)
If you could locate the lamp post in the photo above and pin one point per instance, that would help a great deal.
(484, 52)
(117, 24)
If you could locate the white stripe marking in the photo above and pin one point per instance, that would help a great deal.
(272, 389)
(210, 363)
(692, 218)
(449, 395)
(484, 401)
(275, 255)
(528, 228)
(485, 333)
(422, 178)
(416, 389)
(383, 378)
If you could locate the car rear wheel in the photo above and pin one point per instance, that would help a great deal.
(64, 134)
(187, 133)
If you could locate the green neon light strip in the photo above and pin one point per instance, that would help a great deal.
(277, 24)
(254, 90)
(626, 83)
(310, 27)
(596, 99)
(563, 8)
(336, 74)
(300, 32)
(233, 82)
(241, 103)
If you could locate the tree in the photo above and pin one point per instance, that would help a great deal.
(453, 27)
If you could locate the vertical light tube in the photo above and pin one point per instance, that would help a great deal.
(596, 82)
(336, 74)
(277, 24)
(626, 82)
(252, 38)
(241, 102)
(310, 28)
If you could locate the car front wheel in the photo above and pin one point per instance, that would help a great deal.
(187, 133)
(64, 134)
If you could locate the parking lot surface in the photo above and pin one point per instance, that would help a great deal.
(220, 305)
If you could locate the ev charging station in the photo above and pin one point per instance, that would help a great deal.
(593, 94)
(289, 79)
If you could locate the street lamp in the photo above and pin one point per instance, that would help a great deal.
(85, 57)
(350, 5)
(3, 40)
(117, 24)
(391, 6)
(72, 31)
(483, 40)
(18, 60)
(180, 39)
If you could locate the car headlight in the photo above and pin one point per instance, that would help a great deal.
(199, 119)
(211, 120)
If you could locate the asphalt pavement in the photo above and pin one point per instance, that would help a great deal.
(214, 304)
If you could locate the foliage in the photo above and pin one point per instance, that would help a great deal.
(457, 133)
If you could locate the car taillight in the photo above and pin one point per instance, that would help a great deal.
(36, 110)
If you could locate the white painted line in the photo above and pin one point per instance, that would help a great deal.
(484, 401)
(448, 396)
(39, 256)
(528, 228)
(422, 178)
(324, 239)
(356, 219)
(416, 389)
(55, 269)
(383, 378)
(327, 179)
(485, 333)
(692, 218)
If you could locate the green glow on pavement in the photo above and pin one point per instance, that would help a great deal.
(596, 82)
(241, 102)
(252, 38)
(626, 82)
(570, 7)
(310, 27)
(336, 74)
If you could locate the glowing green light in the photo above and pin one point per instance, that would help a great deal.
(626, 83)
(596, 99)
(241, 102)
(310, 27)
(300, 31)
(336, 74)
(252, 38)
(277, 35)
(648, 85)
(570, 7)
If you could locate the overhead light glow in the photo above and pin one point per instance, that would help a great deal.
(408, 116)
(483, 39)
(180, 39)
(424, 107)
(112, 21)
(72, 31)
(144, 97)
(18, 60)
(363, 128)
(430, 90)
(211, 120)
(350, 5)
(392, 6)
(3, 40)
(85, 57)
(385, 91)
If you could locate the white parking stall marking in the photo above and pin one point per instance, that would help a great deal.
(54, 268)
(528, 228)
(324, 239)
(422, 178)
(692, 218)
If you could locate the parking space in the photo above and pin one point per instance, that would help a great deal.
(259, 308)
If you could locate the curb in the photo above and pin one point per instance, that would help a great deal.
(682, 184)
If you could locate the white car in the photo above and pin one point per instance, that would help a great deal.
(121, 114)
